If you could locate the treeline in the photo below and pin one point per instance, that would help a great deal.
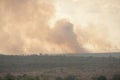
(42, 77)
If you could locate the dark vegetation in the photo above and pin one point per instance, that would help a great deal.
(70, 77)
(59, 67)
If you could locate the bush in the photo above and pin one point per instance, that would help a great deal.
(116, 77)
(99, 78)
(9, 77)
(59, 78)
(71, 78)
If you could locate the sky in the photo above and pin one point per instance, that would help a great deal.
(59, 26)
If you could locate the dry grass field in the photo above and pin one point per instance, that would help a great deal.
(84, 68)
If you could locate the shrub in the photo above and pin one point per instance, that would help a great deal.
(71, 78)
(101, 78)
(9, 77)
(116, 77)
(59, 78)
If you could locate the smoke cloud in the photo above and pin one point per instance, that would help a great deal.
(25, 29)
(63, 34)
(24, 25)
(95, 38)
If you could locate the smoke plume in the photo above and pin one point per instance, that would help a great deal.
(63, 34)
(24, 25)
(25, 29)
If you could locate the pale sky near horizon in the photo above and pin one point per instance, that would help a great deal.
(59, 26)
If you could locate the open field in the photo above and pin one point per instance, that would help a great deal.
(60, 66)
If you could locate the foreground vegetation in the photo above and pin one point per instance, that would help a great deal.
(42, 77)
(62, 67)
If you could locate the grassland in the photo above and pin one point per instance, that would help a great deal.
(84, 68)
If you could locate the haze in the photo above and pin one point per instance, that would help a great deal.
(59, 26)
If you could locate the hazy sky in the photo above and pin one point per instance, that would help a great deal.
(59, 26)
